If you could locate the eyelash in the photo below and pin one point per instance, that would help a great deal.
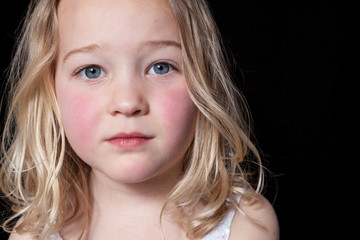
(78, 71)
(171, 67)
(82, 68)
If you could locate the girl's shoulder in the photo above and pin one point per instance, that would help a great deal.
(25, 236)
(222, 230)
(260, 221)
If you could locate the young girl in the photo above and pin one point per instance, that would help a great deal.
(124, 124)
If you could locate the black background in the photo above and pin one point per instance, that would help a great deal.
(290, 68)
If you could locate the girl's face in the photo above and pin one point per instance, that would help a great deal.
(121, 89)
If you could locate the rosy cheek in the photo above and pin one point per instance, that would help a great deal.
(178, 112)
(79, 117)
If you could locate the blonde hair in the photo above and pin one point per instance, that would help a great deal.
(46, 181)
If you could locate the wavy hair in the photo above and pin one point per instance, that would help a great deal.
(47, 183)
(40, 174)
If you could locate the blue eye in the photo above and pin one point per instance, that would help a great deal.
(92, 72)
(160, 68)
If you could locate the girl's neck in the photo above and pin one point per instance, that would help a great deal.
(117, 207)
(121, 208)
(117, 195)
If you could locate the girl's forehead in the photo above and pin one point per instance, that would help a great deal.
(116, 5)
(125, 22)
(128, 12)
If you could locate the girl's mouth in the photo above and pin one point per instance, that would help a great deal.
(132, 140)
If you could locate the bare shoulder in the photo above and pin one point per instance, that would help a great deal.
(16, 236)
(260, 223)
(25, 236)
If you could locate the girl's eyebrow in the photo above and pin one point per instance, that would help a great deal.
(88, 48)
(162, 43)
(93, 47)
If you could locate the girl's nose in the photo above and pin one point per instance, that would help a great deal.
(128, 99)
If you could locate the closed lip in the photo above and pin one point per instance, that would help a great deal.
(129, 140)
(130, 135)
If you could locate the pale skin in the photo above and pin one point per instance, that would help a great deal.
(124, 74)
